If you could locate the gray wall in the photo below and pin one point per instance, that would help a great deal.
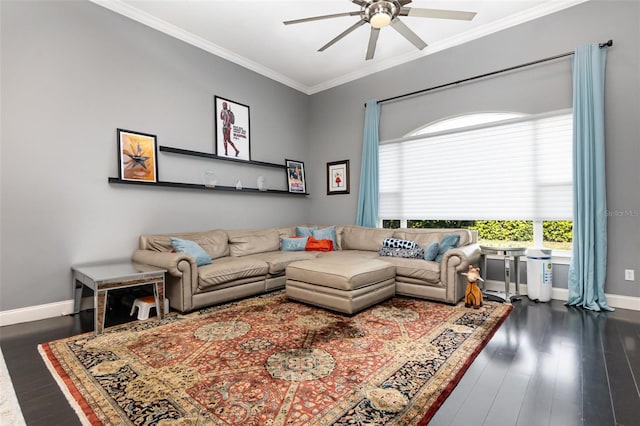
(73, 72)
(338, 114)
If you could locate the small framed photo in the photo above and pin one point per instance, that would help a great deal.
(137, 156)
(295, 177)
(232, 129)
(338, 177)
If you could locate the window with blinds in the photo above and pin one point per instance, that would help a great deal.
(512, 169)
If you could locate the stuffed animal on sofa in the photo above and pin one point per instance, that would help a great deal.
(473, 295)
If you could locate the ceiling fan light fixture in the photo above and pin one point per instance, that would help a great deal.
(380, 20)
(380, 13)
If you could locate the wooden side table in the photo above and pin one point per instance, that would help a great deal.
(102, 277)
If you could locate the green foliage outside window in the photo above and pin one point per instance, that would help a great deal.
(391, 224)
(504, 230)
(439, 223)
(560, 231)
(557, 231)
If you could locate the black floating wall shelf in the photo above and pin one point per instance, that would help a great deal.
(201, 187)
(190, 153)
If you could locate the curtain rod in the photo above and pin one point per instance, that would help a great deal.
(551, 58)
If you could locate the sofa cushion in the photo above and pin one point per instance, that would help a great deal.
(293, 244)
(229, 269)
(426, 236)
(215, 242)
(418, 269)
(251, 242)
(278, 260)
(349, 254)
(360, 238)
(287, 231)
(192, 249)
(340, 275)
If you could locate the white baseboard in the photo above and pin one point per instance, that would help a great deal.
(39, 312)
(51, 310)
(613, 300)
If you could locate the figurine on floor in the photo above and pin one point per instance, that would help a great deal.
(473, 295)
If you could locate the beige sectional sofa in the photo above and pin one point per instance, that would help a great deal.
(250, 262)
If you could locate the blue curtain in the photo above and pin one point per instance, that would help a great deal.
(588, 268)
(368, 193)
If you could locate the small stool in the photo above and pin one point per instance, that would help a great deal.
(145, 304)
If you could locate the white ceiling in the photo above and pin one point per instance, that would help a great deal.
(251, 33)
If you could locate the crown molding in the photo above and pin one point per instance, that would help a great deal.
(135, 14)
(197, 41)
(511, 21)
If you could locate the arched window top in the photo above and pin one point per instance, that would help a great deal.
(466, 120)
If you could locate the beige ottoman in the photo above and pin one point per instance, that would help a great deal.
(344, 285)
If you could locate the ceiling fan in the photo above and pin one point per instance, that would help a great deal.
(379, 14)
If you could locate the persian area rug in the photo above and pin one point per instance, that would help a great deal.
(271, 361)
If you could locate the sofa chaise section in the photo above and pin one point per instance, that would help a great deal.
(436, 280)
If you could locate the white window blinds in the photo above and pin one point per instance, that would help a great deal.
(518, 169)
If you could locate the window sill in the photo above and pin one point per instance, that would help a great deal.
(558, 257)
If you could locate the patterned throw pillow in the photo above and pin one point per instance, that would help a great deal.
(416, 253)
(397, 243)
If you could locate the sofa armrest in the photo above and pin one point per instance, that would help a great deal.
(454, 262)
(172, 262)
(181, 279)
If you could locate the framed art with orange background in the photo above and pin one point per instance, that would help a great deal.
(137, 156)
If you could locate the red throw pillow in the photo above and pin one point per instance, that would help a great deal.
(318, 245)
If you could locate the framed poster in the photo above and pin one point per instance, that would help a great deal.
(232, 130)
(295, 177)
(137, 156)
(338, 177)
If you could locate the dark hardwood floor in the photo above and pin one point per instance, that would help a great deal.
(547, 365)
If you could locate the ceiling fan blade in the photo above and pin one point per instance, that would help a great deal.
(341, 35)
(318, 18)
(437, 13)
(404, 2)
(373, 40)
(359, 2)
(406, 32)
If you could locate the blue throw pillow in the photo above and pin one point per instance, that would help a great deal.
(305, 231)
(192, 249)
(431, 251)
(448, 242)
(294, 244)
(328, 233)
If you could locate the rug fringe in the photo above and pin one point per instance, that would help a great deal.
(65, 390)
